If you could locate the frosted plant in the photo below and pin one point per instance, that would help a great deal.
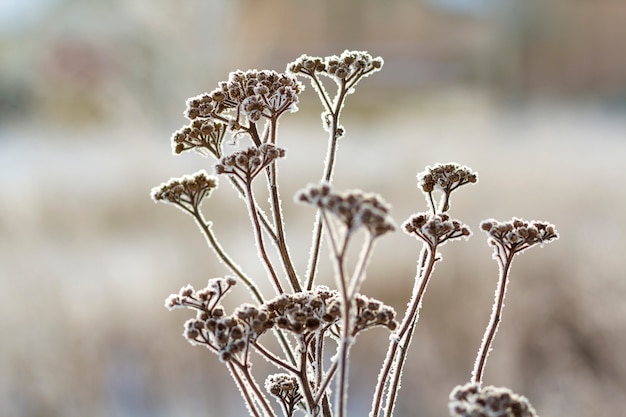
(315, 326)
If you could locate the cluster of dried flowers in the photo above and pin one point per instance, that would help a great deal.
(474, 400)
(315, 326)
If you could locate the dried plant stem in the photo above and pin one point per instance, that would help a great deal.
(334, 112)
(262, 216)
(205, 227)
(254, 214)
(359, 272)
(346, 338)
(259, 238)
(399, 364)
(278, 220)
(243, 389)
(302, 375)
(329, 376)
(251, 383)
(400, 340)
(280, 232)
(219, 251)
(346, 344)
(273, 358)
(315, 251)
(321, 382)
(494, 321)
(329, 164)
(319, 357)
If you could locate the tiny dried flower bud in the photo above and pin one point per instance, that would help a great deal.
(186, 291)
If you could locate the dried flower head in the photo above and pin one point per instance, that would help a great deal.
(371, 313)
(435, 229)
(444, 178)
(206, 299)
(253, 94)
(352, 208)
(226, 335)
(472, 400)
(517, 235)
(345, 71)
(202, 135)
(284, 387)
(247, 163)
(348, 66)
(186, 192)
(306, 312)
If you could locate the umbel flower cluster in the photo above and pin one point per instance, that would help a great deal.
(303, 329)
(473, 400)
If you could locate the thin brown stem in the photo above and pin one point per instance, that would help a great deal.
(262, 216)
(346, 333)
(273, 358)
(278, 220)
(259, 238)
(494, 321)
(257, 391)
(205, 227)
(359, 273)
(329, 376)
(400, 361)
(329, 165)
(396, 352)
(243, 389)
(304, 379)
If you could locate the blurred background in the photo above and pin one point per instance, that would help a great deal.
(529, 93)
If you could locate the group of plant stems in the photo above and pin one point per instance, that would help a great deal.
(310, 353)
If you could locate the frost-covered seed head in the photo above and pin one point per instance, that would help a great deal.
(203, 135)
(353, 208)
(435, 229)
(517, 235)
(247, 163)
(188, 190)
(254, 94)
(284, 387)
(472, 400)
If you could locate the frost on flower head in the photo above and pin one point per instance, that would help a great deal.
(345, 70)
(435, 229)
(518, 235)
(284, 388)
(445, 178)
(247, 163)
(226, 335)
(472, 400)
(203, 135)
(187, 191)
(349, 65)
(371, 312)
(254, 94)
(205, 299)
(309, 312)
(352, 208)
